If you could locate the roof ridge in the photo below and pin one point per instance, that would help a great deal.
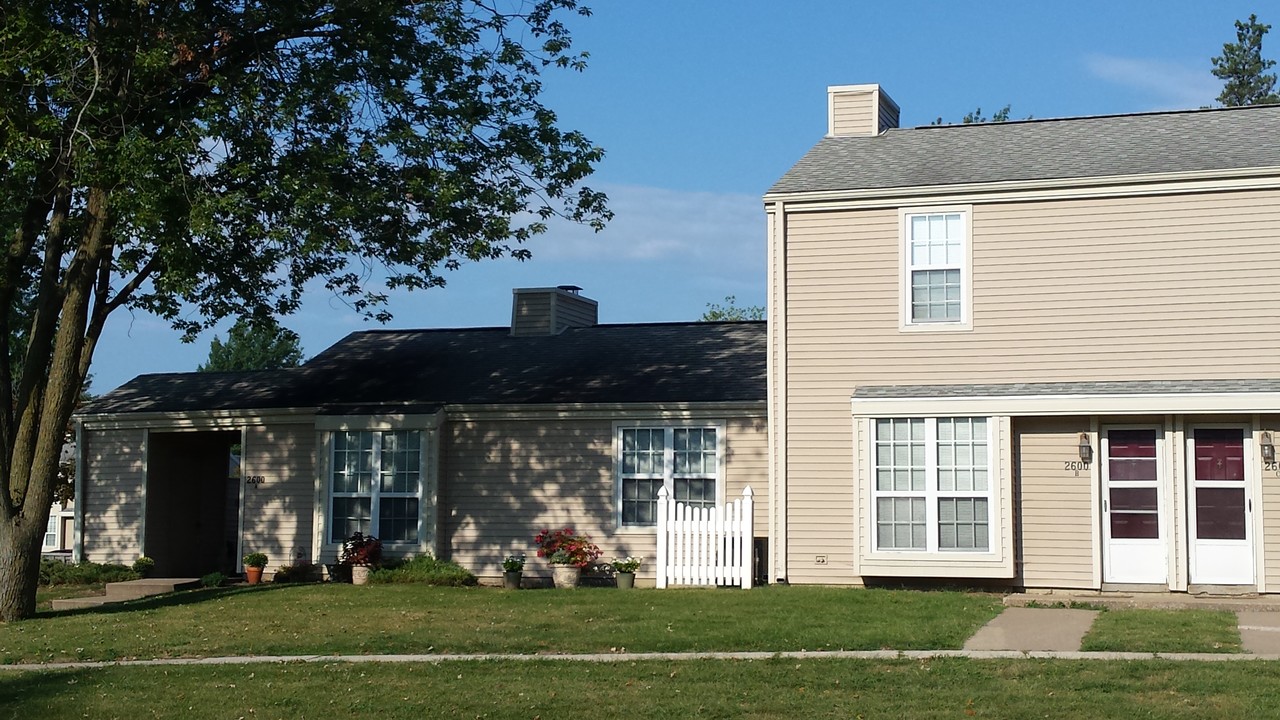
(1104, 116)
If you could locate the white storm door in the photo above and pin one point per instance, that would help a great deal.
(1135, 549)
(1219, 507)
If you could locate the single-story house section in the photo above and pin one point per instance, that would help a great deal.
(461, 443)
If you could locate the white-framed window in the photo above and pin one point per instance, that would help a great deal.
(51, 533)
(687, 460)
(375, 485)
(935, 268)
(933, 485)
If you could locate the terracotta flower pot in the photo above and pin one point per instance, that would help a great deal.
(253, 575)
(565, 576)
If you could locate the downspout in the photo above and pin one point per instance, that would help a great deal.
(77, 525)
(777, 405)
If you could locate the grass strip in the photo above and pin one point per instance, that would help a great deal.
(936, 688)
(345, 619)
(1164, 631)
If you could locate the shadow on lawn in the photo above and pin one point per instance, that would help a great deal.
(182, 597)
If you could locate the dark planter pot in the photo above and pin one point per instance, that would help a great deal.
(511, 579)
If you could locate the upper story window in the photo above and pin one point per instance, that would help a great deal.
(686, 460)
(376, 484)
(935, 282)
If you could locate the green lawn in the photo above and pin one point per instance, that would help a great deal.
(943, 688)
(1165, 631)
(345, 619)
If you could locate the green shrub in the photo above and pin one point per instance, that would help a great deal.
(143, 566)
(303, 571)
(213, 580)
(426, 570)
(54, 572)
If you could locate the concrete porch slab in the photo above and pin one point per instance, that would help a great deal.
(128, 590)
(1034, 629)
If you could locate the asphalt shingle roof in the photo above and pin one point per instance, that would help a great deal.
(420, 370)
(1069, 148)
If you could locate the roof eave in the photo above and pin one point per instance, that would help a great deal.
(1267, 176)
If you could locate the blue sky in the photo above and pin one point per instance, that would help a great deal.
(702, 104)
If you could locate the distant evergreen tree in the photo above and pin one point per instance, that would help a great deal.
(1243, 70)
(975, 117)
(254, 345)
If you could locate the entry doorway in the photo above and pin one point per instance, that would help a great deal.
(1134, 527)
(190, 502)
(1220, 506)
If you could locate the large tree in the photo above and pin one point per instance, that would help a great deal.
(1242, 68)
(254, 345)
(209, 158)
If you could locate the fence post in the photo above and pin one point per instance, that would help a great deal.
(747, 537)
(660, 579)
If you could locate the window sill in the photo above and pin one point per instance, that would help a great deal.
(936, 327)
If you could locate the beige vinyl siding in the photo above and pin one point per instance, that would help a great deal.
(531, 314)
(279, 512)
(747, 464)
(888, 116)
(1055, 514)
(1270, 541)
(504, 480)
(1074, 290)
(574, 311)
(853, 113)
(111, 494)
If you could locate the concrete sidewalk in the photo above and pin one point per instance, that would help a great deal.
(1060, 630)
(1034, 629)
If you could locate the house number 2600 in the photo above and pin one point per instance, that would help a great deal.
(1076, 466)
(254, 480)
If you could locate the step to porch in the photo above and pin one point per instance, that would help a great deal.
(128, 590)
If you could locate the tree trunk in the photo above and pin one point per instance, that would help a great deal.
(21, 539)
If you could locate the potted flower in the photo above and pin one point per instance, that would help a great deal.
(512, 568)
(253, 564)
(362, 553)
(625, 571)
(568, 553)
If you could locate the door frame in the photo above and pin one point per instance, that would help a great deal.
(1252, 489)
(1164, 502)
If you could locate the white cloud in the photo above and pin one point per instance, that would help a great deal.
(1165, 84)
(657, 224)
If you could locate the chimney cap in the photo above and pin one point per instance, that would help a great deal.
(569, 288)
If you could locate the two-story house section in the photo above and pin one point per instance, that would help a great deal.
(1043, 353)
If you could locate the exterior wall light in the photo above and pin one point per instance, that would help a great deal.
(1086, 450)
(1268, 448)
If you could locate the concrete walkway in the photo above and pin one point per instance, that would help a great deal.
(1028, 629)
(1060, 630)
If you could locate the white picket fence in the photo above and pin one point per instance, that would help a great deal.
(705, 546)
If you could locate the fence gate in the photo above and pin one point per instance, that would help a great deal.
(705, 545)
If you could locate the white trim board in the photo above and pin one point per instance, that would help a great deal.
(1051, 405)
